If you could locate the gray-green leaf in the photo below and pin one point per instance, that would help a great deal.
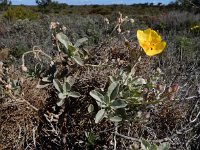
(116, 119)
(116, 104)
(97, 96)
(62, 38)
(145, 145)
(60, 102)
(74, 94)
(61, 96)
(106, 99)
(46, 79)
(70, 80)
(66, 87)
(112, 79)
(113, 90)
(164, 146)
(78, 60)
(100, 115)
(153, 147)
(58, 85)
(42, 84)
(140, 81)
(79, 42)
(90, 108)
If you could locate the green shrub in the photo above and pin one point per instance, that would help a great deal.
(4, 4)
(19, 12)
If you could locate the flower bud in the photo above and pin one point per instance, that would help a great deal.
(24, 68)
(106, 20)
(120, 20)
(175, 88)
(139, 114)
(135, 146)
(21, 79)
(145, 90)
(8, 86)
(126, 43)
(147, 115)
(159, 87)
(52, 63)
(64, 28)
(53, 25)
(171, 97)
(168, 90)
(159, 70)
(119, 30)
(132, 20)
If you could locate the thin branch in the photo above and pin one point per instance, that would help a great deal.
(127, 137)
(35, 51)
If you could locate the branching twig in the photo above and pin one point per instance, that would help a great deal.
(127, 137)
(36, 50)
(115, 137)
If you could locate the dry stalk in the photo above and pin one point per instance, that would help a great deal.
(36, 51)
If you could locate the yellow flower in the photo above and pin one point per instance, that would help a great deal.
(150, 41)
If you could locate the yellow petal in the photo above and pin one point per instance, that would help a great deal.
(160, 46)
(147, 33)
(142, 36)
(151, 52)
(156, 50)
(150, 41)
(155, 38)
(144, 46)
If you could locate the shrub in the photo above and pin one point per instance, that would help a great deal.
(176, 20)
(100, 10)
(4, 4)
(20, 12)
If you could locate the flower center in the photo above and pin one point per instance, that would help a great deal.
(150, 45)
